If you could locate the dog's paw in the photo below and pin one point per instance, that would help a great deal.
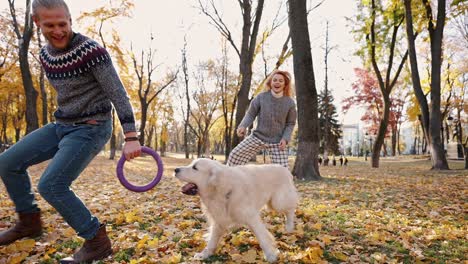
(272, 256)
(202, 255)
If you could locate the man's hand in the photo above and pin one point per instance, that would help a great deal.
(283, 144)
(131, 149)
(241, 131)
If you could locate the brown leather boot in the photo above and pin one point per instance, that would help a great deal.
(29, 225)
(94, 249)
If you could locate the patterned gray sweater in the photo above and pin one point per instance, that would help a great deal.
(276, 117)
(86, 82)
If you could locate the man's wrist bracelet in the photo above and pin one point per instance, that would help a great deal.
(127, 139)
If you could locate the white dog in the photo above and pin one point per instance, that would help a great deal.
(234, 196)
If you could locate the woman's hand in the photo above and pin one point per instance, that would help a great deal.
(283, 144)
(241, 131)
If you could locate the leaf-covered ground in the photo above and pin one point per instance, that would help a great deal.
(399, 213)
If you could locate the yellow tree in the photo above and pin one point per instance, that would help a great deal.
(431, 114)
(24, 33)
(160, 115)
(8, 58)
(12, 106)
(251, 18)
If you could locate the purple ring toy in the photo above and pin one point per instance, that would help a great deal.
(144, 188)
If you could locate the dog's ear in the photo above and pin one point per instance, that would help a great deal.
(214, 180)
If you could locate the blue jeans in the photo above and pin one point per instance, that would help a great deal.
(71, 148)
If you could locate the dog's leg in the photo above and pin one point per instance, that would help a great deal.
(216, 232)
(265, 239)
(290, 216)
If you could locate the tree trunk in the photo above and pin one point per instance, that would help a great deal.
(306, 164)
(30, 92)
(144, 114)
(431, 121)
(151, 131)
(17, 134)
(326, 102)
(249, 40)
(394, 141)
(439, 160)
(113, 139)
(398, 142)
(207, 145)
(465, 149)
(385, 86)
(379, 140)
(4, 118)
(187, 97)
(45, 113)
(31, 95)
(163, 145)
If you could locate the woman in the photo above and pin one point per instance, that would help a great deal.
(275, 111)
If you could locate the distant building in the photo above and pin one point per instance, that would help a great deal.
(351, 141)
(407, 140)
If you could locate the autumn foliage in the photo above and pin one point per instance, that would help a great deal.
(367, 95)
(399, 213)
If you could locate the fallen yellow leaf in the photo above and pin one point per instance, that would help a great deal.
(250, 256)
(339, 255)
(18, 258)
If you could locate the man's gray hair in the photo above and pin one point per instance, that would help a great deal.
(49, 4)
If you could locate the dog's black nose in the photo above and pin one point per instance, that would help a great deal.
(177, 170)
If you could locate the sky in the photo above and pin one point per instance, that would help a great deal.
(171, 21)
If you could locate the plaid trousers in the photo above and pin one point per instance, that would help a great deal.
(250, 146)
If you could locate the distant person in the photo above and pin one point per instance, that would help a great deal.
(334, 161)
(320, 160)
(346, 161)
(88, 87)
(275, 111)
(341, 160)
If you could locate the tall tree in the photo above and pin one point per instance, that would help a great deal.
(306, 164)
(330, 128)
(386, 86)
(224, 79)
(42, 84)
(186, 115)
(250, 27)
(207, 102)
(366, 94)
(24, 39)
(431, 118)
(147, 90)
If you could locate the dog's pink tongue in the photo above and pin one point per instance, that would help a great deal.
(190, 189)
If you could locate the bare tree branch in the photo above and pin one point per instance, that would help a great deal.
(219, 24)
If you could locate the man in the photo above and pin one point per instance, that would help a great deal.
(86, 82)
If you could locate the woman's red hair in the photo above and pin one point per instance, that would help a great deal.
(287, 82)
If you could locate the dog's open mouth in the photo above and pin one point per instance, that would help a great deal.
(190, 189)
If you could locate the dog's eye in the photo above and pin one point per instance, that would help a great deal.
(194, 167)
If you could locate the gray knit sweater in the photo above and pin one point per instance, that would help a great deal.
(276, 117)
(86, 82)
